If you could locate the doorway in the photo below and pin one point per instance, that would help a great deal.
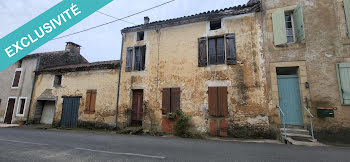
(289, 95)
(70, 109)
(48, 112)
(137, 108)
(9, 110)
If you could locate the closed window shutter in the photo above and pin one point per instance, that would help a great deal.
(165, 100)
(93, 101)
(347, 14)
(16, 79)
(175, 99)
(344, 82)
(299, 22)
(129, 57)
(202, 52)
(88, 101)
(213, 96)
(279, 27)
(231, 56)
(143, 57)
(222, 102)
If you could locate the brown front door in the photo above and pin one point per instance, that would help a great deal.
(137, 108)
(9, 111)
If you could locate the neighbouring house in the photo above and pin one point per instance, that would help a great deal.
(17, 81)
(209, 65)
(307, 60)
(83, 95)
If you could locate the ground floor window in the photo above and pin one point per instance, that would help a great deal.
(21, 106)
(170, 100)
(217, 101)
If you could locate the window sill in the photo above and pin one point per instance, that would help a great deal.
(290, 46)
(89, 112)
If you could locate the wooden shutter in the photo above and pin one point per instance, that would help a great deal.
(231, 58)
(93, 101)
(88, 101)
(222, 109)
(347, 14)
(299, 22)
(166, 100)
(143, 57)
(202, 52)
(16, 79)
(175, 99)
(129, 56)
(212, 96)
(279, 27)
(344, 82)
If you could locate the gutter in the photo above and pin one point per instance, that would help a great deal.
(120, 74)
(33, 84)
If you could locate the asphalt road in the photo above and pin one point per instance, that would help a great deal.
(18, 144)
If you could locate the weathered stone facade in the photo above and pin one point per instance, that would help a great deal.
(76, 81)
(172, 61)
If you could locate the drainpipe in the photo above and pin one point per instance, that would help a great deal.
(33, 84)
(120, 74)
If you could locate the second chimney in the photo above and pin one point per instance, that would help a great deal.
(72, 47)
(146, 19)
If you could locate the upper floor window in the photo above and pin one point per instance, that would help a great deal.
(288, 26)
(221, 50)
(214, 25)
(343, 70)
(140, 36)
(57, 81)
(135, 58)
(17, 78)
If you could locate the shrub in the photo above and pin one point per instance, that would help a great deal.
(182, 125)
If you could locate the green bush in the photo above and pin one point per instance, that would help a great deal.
(182, 126)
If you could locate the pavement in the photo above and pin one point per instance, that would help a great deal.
(18, 144)
(2, 125)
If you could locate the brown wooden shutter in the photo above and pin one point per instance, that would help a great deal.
(202, 52)
(88, 101)
(129, 56)
(175, 99)
(222, 101)
(165, 100)
(93, 101)
(212, 96)
(231, 55)
(16, 79)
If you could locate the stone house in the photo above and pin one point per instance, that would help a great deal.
(307, 59)
(16, 81)
(76, 95)
(209, 65)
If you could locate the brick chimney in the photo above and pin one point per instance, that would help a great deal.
(72, 47)
(146, 19)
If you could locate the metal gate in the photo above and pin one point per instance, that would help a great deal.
(70, 108)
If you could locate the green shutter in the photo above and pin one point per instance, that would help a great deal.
(279, 27)
(344, 82)
(347, 14)
(299, 22)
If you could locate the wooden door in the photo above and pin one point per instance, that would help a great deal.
(137, 107)
(70, 109)
(9, 111)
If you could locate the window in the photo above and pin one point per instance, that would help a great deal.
(21, 106)
(140, 36)
(217, 101)
(57, 81)
(288, 26)
(170, 100)
(221, 50)
(216, 51)
(17, 78)
(135, 57)
(90, 101)
(343, 73)
(214, 25)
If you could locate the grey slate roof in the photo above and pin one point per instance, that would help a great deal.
(252, 6)
(113, 64)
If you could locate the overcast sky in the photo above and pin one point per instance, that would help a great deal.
(103, 43)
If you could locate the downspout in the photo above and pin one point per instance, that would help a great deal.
(33, 84)
(120, 74)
